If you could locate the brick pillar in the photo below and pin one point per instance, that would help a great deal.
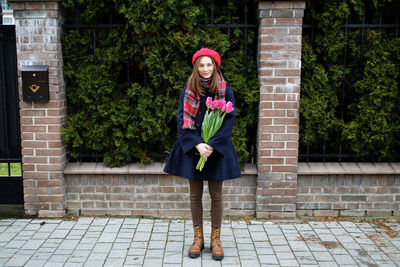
(43, 151)
(279, 58)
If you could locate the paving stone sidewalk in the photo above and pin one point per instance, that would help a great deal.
(145, 242)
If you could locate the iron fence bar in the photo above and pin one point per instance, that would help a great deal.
(94, 46)
(11, 160)
(88, 26)
(343, 82)
(344, 70)
(245, 42)
(129, 57)
(397, 21)
(359, 26)
(327, 156)
(110, 9)
(3, 96)
(98, 156)
(312, 32)
(362, 39)
(334, 155)
(211, 25)
(76, 15)
(79, 100)
(145, 76)
(212, 12)
(379, 25)
(128, 71)
(229, 35)
(231, 25)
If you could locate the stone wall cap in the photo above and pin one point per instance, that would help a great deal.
(320, 168)
(133, 168)
(304, 168)
(301, 4)
(34, 68)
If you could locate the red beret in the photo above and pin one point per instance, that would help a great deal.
(207, 52)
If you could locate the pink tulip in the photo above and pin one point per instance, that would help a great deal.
(221, 104)
(208, 101)
(213, 104)
(229, 107)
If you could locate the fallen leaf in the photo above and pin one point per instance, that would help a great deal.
(70, 219)
(330, 244)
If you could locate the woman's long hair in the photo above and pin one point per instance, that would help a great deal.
(194, 79)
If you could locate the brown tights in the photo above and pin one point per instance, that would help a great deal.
(196, 206)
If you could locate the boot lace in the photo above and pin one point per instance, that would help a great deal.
(197, 234)
(216, 241)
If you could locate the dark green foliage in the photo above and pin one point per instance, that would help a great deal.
(128, 121)
(376, 124)
(367, 123)
(319, 98)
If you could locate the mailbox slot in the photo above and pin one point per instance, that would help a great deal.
(35, 83)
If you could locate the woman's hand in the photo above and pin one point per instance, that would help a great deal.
(204, 150)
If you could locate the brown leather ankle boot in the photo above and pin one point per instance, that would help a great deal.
(198, 242)
(216, 247)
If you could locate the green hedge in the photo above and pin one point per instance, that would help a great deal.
(129, 121)
(368, 121)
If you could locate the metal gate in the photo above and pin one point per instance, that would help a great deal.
(11, 187)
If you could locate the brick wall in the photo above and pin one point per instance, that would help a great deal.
(278, 186)
(95, 190)
(348, 189)
(279, 58)
(330, 189)
(43, 152)
(348, 195)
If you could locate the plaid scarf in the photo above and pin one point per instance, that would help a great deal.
(191, 102)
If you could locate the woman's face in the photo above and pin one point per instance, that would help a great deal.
(206, 67)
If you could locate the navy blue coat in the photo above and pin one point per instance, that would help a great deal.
(222, 164)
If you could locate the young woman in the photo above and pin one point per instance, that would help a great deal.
(221, 160)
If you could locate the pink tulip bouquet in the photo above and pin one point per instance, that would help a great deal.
(216, 111)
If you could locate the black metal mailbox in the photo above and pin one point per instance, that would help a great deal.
(35, 83)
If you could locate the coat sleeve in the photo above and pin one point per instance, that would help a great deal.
(220, 140)
(187, 138)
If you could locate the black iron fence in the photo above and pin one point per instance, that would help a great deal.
(11, 190)
(248, 22)
(326, 150)
(10, 138)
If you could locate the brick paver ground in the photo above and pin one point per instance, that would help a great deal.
(146, 242)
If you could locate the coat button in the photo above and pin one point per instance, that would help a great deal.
(198, 125)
